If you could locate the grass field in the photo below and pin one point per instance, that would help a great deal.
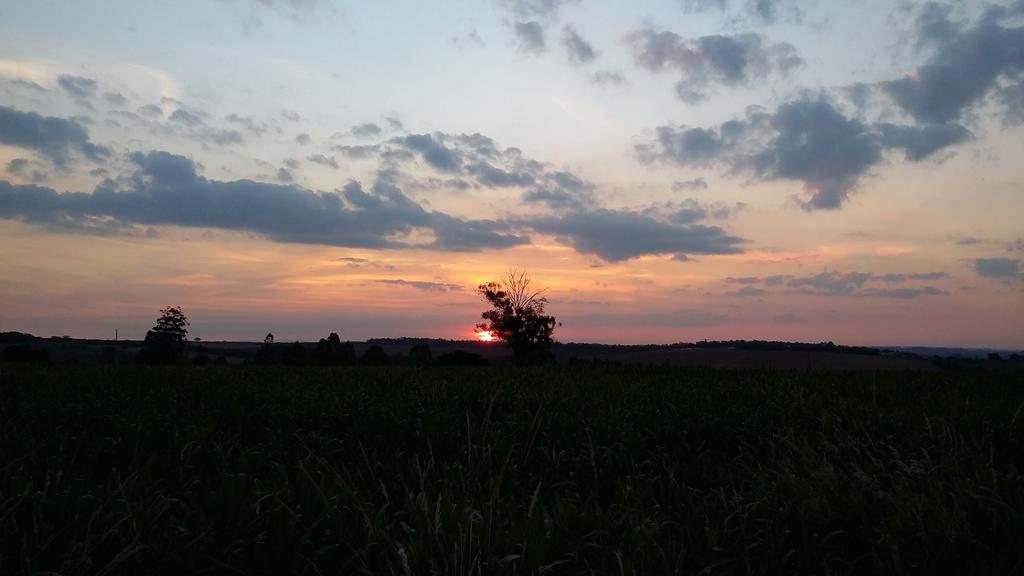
(572, 470)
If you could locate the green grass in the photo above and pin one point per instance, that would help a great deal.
(228, 470)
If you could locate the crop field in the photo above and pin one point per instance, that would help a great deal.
(566, 470)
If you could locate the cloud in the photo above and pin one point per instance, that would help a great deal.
(26, 169)
(531, 37)
(847, 284)
(999, 268)
(55, 138)
(185, 117)
(28, 84)
(728, 60)
(767, 11)
(115, 98)
(77, 86)
(366, 130)
(748, 292)
(616, 235)
(284, 175)
(323, 160)
(577, 49)
(528, 9)
(151, 110)
(166, 189)
(687, 185)
(968, 62)
(303, 139)
(606, 78)
(359, 152)
(922, 142)
(808, 140)
(422, 285)
(433, 152)
(247, 122)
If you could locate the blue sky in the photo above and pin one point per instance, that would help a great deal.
(767, 168)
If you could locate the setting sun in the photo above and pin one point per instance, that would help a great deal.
(485, 336)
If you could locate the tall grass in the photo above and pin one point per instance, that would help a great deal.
(584, 470)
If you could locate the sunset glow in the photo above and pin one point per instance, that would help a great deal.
(670, 171)
(485, 336)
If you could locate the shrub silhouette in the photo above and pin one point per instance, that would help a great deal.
(375, 356)
(420, 354)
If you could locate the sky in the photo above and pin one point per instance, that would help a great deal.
(669, 171)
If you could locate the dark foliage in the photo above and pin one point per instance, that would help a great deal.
(375, 356)
(165, 343)
(461, 358)
(174, 470)
(28, 354)
(420, 354)
(517, 318)
(331, 352)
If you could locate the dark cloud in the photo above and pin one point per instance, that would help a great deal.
(166, 189)
(921, 142)
(291, 115)
(291, 163)
(729, 60)
(999, 268)
(422, 285)
(968, 62)
(748, 292)
(77, 86)
(323, 160)
(433, 152)
(968, 241)
(488, 175)
(687, 185)
(616, 235)
(808, 140)
(605, 78)
(366, 130)
(531, 37)
(555, 198)
(55, 138)
(284, 175)
(26, 169)
(576, 48)
(864, 284)
(303, 139)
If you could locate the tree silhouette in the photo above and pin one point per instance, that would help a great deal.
(165, 342)
(517, 317)
(331, 352)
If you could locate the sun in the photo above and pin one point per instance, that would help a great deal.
(485, 336)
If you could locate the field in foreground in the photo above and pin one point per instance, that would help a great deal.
(578, 470)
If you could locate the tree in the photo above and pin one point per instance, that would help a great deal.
(331, 352)
(517, 317)
(165, 342)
